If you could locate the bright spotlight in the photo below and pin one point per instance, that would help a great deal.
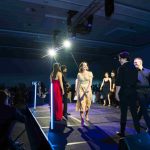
(67, 44)
(51, 52)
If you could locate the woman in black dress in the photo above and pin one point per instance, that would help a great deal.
(106, 88)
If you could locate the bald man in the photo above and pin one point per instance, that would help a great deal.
(143, 90)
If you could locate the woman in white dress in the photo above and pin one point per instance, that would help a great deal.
(84, 91)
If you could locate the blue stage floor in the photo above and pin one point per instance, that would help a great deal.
(98, 134)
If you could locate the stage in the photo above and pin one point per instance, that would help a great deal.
(97, 134)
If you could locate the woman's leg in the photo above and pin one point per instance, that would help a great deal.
(109, 101)
(87, 115)
(87, 106)
(104, 102)
(82, 118)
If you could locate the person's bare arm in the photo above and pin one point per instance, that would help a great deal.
(77, 85)
(90, 82)
(51, 78)
(102, 85)
(110, 83)
(117, 92)
(113, 87)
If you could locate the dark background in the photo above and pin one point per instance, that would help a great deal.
(28, 28)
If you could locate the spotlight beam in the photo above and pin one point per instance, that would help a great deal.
(74, 59)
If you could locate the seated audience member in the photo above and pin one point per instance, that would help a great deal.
(8, 115)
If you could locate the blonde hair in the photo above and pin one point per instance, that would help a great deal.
(81, 65)
(139, 58)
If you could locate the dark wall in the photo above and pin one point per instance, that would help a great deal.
(14, 70)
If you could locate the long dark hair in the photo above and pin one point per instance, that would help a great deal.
(56, 69)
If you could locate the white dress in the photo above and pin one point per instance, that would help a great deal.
(84, 100)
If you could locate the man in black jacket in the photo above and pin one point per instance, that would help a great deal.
(126, 91)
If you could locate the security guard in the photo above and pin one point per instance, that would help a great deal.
(126, 91)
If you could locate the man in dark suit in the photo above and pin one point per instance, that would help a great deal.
(126, 91)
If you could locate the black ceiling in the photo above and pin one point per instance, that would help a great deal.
(29, 27)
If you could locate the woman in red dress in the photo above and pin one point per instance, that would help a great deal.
(58, 91)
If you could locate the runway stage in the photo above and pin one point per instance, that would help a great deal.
(97, 134)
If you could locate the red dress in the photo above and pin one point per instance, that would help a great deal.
(57, 94)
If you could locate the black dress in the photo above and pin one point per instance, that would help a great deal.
(106, 89)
